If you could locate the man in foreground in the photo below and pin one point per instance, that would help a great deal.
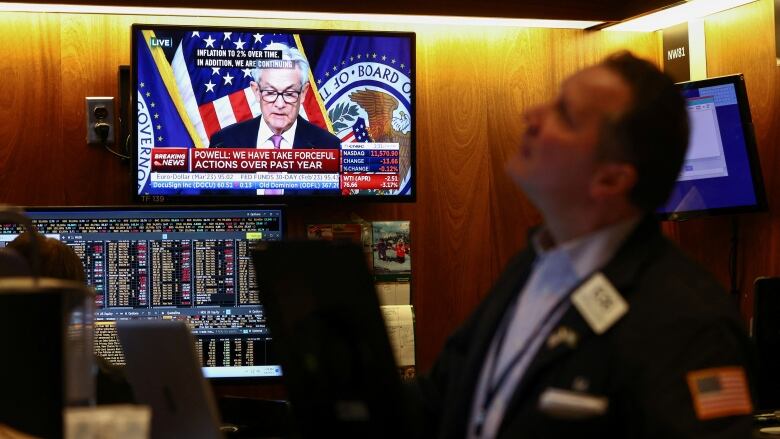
(601, 327)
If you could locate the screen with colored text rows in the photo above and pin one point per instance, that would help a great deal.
(189, 265)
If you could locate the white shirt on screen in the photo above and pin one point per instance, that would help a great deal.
(265, 133)
(264, 142)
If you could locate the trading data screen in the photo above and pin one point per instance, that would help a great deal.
(191, 265)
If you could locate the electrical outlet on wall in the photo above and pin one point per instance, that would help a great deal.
(100, 120)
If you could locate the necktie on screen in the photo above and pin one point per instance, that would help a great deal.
(276, 139)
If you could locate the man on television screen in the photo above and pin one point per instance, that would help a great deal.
(280, 92)
(601, 327)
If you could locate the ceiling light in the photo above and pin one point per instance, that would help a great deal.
(677, 14)
(239, 13)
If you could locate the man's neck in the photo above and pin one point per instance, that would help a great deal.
(570, 224)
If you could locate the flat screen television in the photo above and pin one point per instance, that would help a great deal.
(721, 173)
(226, 114)
(182, 263)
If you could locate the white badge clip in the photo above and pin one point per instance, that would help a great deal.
(599, 303)
(565, 404)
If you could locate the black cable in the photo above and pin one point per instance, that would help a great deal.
(102, 129)
(120, 155)
(127, 145)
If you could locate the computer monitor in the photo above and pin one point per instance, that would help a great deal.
(721, 173)
(182, 263)
(240, 114)
(341, 378)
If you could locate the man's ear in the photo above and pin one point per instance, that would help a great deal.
(256, 90)
(613, 180)
(304, 91)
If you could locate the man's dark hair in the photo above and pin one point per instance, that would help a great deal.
(652, 134)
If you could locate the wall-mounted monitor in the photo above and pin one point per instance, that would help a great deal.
(179, 263)
(227, 114)
(721, 173)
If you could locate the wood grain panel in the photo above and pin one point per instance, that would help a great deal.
(523, 80)
(32, 120)
(452, 146)
(90, 56)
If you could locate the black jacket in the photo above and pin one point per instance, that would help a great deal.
(679, 320)
(244, 135)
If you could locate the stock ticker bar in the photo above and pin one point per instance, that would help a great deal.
(358, 166)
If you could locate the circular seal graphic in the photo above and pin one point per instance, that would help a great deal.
(370, 101)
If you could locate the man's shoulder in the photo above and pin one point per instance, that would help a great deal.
(673, 303)
(309, 135)
(673, 279)
(238, 135)
(660, 278)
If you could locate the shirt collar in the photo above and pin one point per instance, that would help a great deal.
(590, 252)
(265, 133)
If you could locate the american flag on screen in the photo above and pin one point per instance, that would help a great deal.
(719, 392)
(359, 131)
(215, 97)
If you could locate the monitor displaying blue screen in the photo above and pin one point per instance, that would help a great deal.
(177, 263)
(721, 173)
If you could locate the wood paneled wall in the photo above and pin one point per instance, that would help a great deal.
(473, 85)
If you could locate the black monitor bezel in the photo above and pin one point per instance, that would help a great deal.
(185, 207)
(759, 191)
(269, 199)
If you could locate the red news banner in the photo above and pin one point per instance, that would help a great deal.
(250, 160)
(245, 160)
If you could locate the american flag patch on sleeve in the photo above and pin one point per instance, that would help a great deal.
(719, 392)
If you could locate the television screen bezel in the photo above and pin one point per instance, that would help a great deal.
(269, 199)
(748, 130)
(186, 207)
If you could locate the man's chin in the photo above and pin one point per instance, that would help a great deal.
(521, 180)
(522, 185)
(517, 170)
(278, 122)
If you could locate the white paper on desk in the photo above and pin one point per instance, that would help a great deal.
(399, 320)
(393, 293)
(108, 422)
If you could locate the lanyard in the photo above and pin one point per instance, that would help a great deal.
(494, 387)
